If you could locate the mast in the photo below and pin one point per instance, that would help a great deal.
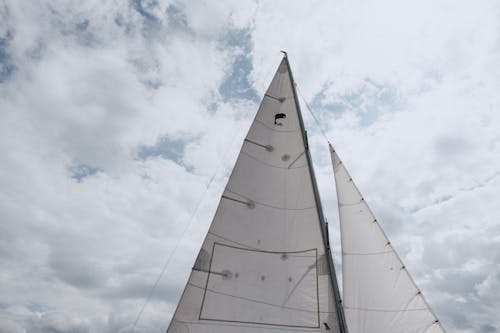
(323, 223)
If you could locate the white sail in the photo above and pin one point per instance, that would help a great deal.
(379, 296)
(263, 265)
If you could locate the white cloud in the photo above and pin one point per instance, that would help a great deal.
(407, 92)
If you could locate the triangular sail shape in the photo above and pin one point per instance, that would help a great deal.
(379, 296)
(263, 266)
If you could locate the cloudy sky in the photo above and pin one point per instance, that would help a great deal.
(120, 122)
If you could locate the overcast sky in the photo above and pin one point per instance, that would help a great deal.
(120, 122)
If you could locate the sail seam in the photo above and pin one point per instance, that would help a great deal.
(253, 248)
(272, 165)
(274, 252)
(257, 301)
(271, 206)
(235, 324)
(233, 241)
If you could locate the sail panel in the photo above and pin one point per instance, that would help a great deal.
(379, 295)
(280, 226)
(267, 185)
(263, 265)
(238, 289)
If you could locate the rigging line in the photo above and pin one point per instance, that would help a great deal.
(312, 114)
(167, 262)
(257, 301)
(190, 221)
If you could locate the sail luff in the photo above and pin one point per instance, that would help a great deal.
(323, 224)
(362, 297)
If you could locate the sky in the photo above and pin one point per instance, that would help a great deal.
(120, 122)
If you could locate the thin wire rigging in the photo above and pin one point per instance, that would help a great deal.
(190, 221)
(167, 262)
(312, 114)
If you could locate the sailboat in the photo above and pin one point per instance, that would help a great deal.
(266, 263)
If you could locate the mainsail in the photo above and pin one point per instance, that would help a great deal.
(379, 295)
(265, 264)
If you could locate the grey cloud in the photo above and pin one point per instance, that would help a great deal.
(136, 289)
(80, 171)
(451, 146)
(488, 328)
(7, 67)
(150, 23)
(74, 268)
(57, 322)
(10, 326)
(177, 18)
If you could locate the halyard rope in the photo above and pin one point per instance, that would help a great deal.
(312, 114)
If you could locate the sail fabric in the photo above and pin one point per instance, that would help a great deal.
(262, 266)
(379, 296)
